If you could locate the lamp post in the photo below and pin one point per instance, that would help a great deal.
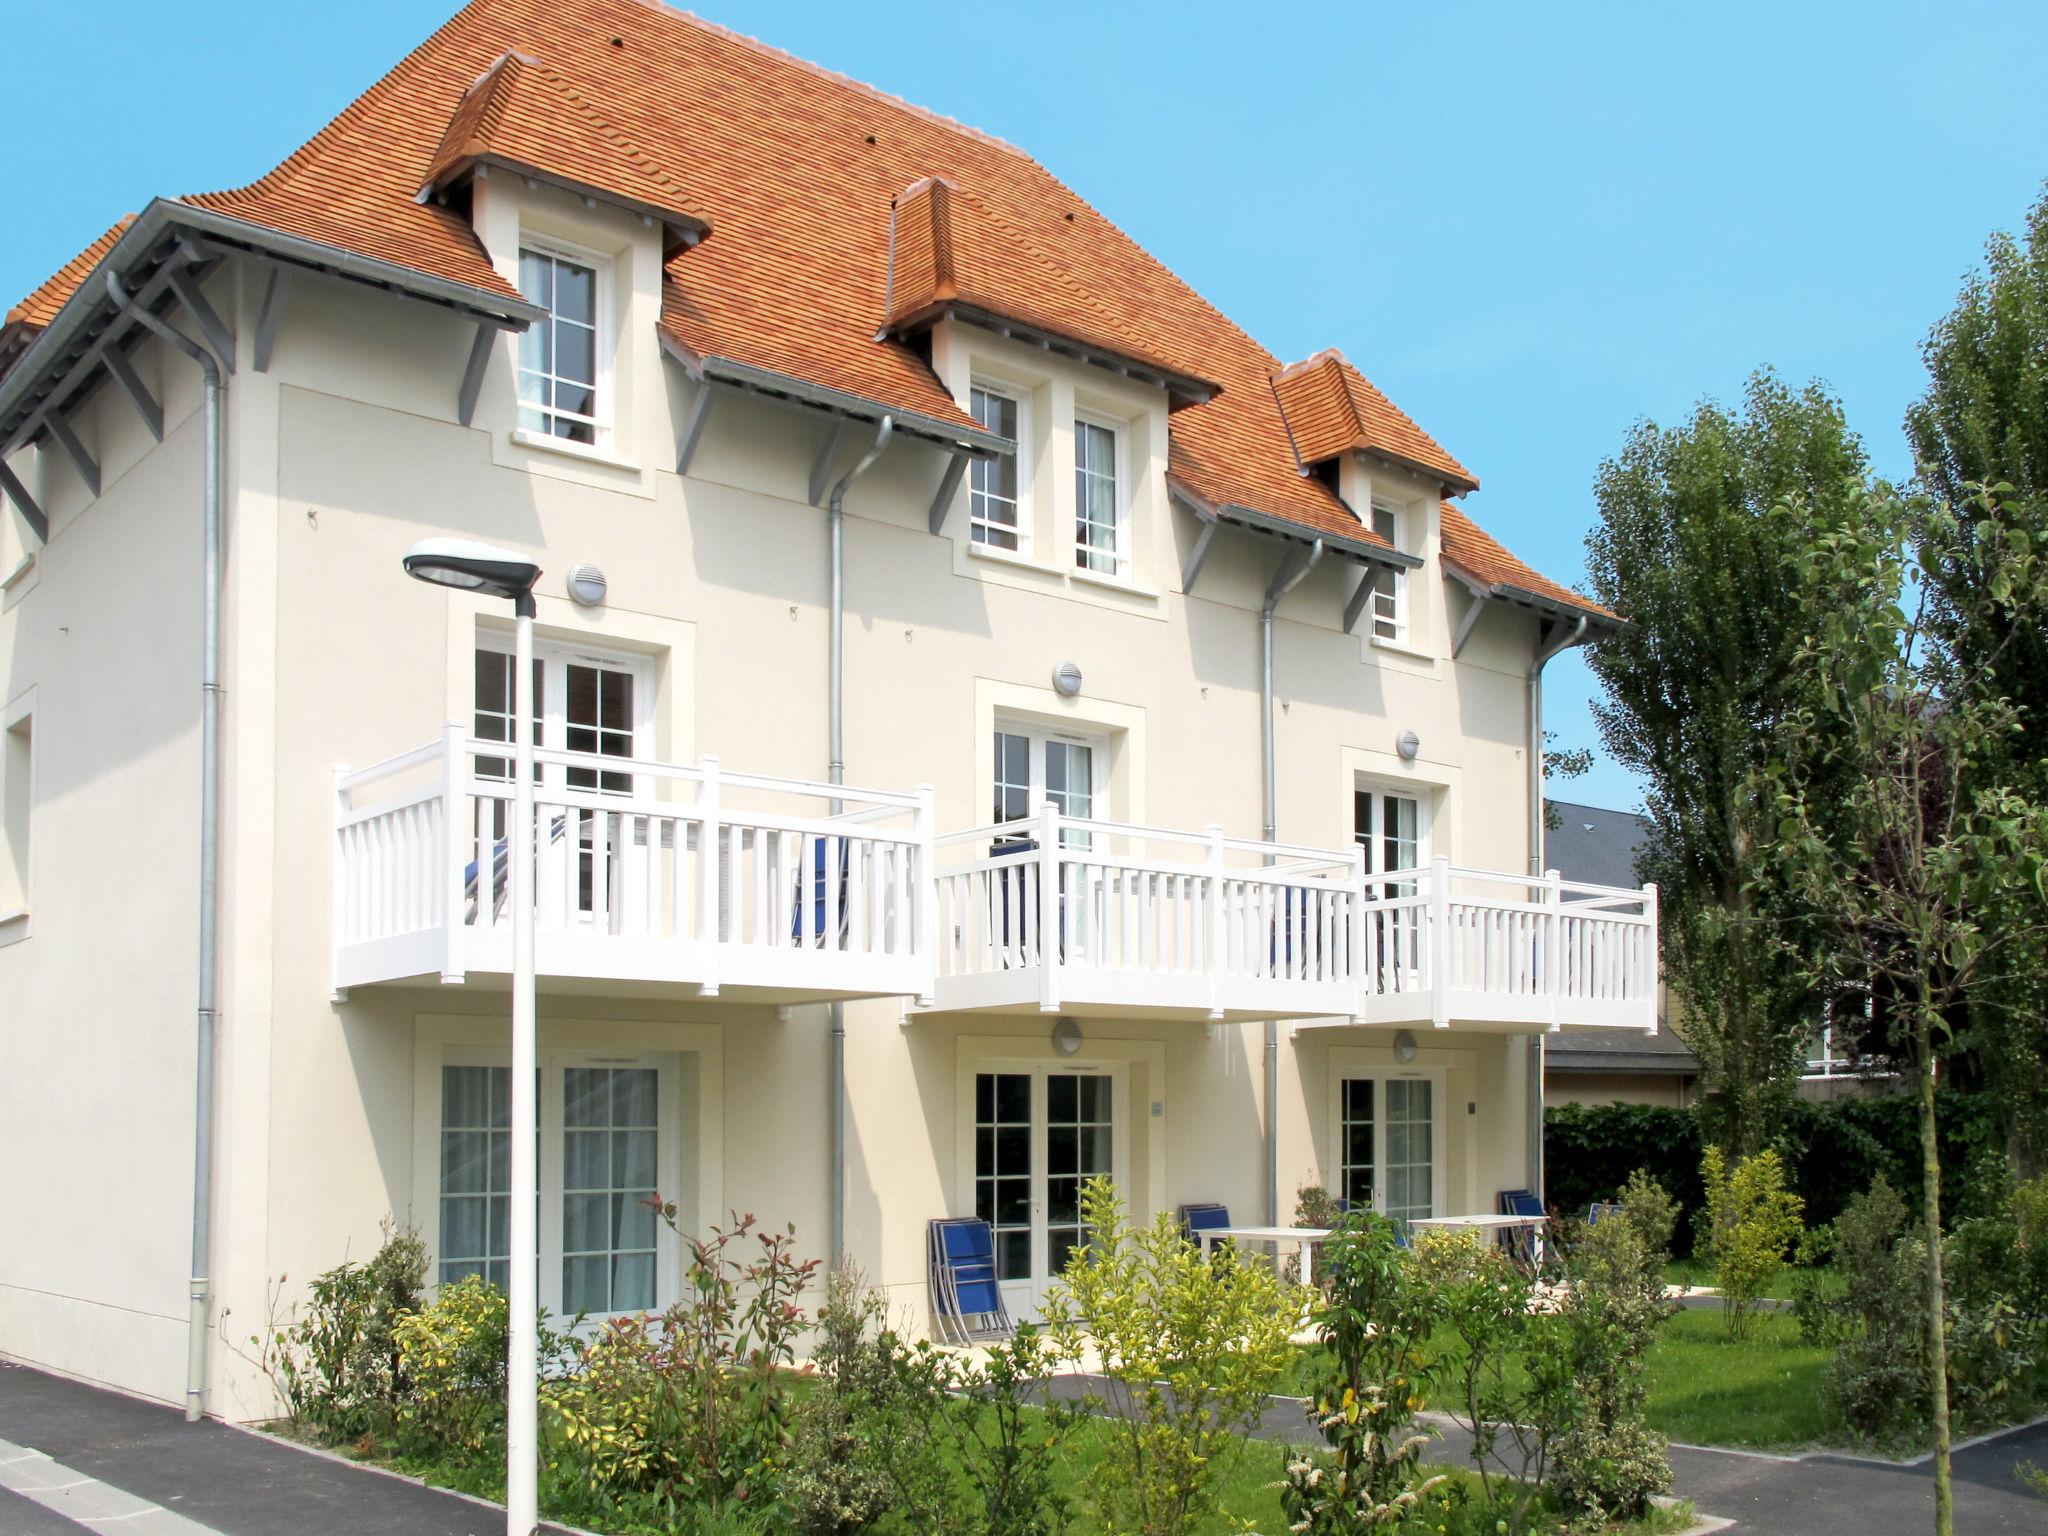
(473, 567)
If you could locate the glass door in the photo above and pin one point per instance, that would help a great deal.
(1387, 1145)
(1040, 1134)
(1388, 828)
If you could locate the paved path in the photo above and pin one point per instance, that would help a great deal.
(74, 1458)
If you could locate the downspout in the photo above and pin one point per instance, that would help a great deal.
(209, 847)
(1544, 653)
(1285, 580)
(835, 518)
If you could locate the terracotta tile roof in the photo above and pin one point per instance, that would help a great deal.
(1476, 552)
(520, 112)
(41, 307)
(947, 246)
(1332, 408)
(795, 169)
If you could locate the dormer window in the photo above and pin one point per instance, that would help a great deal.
(996, 504)
(1389, 594)
(560, 394)
(1101, 541)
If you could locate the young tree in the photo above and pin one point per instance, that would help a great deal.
(1984, 421)
(1895, 831)
(1687, 549)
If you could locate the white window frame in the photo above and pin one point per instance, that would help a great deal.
(604, 418)
(1039, 735)
(555, 657)
(1120, 436)
(17, 804)
(554, 1064)
(1438, 1079)
(1389, 607)
(1021, 399)
(1375, 844)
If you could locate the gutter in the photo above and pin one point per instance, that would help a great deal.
(208, 1021)
(835, 517)
(1563, 640)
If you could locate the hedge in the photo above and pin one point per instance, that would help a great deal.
(1833, 1150)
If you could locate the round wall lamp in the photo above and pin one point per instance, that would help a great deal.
(1408, 744)
(586, 586)
(1066, 1037)
(1404, 1046)
(1066, 679)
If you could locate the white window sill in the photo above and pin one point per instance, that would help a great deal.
(22, 568)
(13, 915)
(1401, 648)
(1003, 556)
(1113, 583)
(547, 442)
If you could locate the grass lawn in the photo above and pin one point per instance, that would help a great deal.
(1696, 1273)
(1761, 1393)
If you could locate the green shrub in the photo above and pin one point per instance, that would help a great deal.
(453, 1354)
(1368, 1383)
(1189, 1345)
(1605, 1460)
(337, 1366)
(1590, 1152)
(1752, 1222)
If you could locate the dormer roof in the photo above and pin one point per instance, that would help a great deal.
(951, 252)
(1331, 408)
(523, 115)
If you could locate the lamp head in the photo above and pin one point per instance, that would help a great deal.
(472, 567)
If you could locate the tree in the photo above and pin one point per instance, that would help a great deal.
(1984, 421)
(1896, 832)
(1687, 549)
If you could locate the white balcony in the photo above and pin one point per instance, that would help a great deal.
(690, 877)
(1144, 921)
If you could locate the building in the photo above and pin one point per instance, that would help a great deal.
(725, 341)
(1587, 842)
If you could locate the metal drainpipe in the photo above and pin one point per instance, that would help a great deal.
(209, 849)
(1535, 1072)
(1269, 831)
(835, 517)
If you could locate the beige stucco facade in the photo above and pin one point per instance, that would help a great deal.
(344, 452)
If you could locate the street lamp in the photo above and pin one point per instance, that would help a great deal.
(474, 567)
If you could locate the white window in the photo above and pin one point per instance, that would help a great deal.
(1391, 830)
(561, 356)
(1034, 765)
(998, 509)
(17, 792)
(1101, 543)
(609, 1143)
(1387, 1144)
(1389, 586)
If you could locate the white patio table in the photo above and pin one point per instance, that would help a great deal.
(1534, 1225)
(1304, 1237)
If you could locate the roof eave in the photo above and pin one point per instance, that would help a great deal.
(1456, 482)
(688, 229)
(1290, 528)
(1182, 388)
(1522, 597)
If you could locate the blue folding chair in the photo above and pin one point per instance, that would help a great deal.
(1200, 1217)
(501, 874)
(967, 1299)
(818, 878)
(1520, 1242)
(1600, 1210)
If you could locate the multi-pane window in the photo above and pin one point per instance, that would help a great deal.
(494, 711)
(1355, 1133)
(1078, 1132)
(476, 1172)
(1002, 1166)
(1013, 776)
(1389, 620)
(1386, 1145)
(1098, 525)
(558, 353)
(610, 1136)
(1032, 767)
(598, 714)
(995, 505)
(1388, 827)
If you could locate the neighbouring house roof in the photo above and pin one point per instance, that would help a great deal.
(1330, 408)
(1599, 846)
(799, 174)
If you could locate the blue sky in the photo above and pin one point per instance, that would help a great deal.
(1530, 225)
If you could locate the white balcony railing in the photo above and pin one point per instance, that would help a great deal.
(644, 871)
(1143, 919)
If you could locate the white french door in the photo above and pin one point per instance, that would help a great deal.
(1041, 1131)
(1392, 830)
(596, 702)
(1390, 1143)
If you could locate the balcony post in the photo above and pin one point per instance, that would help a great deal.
(710, 855)
(1361, 971)
(454, 821)
(924, 896)
(1553, 943)
(1049, 935)
(338, 920)
(1655, 956)
(1440, 942)
(1218, 947)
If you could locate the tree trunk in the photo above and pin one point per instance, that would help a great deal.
(1937, 1304)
